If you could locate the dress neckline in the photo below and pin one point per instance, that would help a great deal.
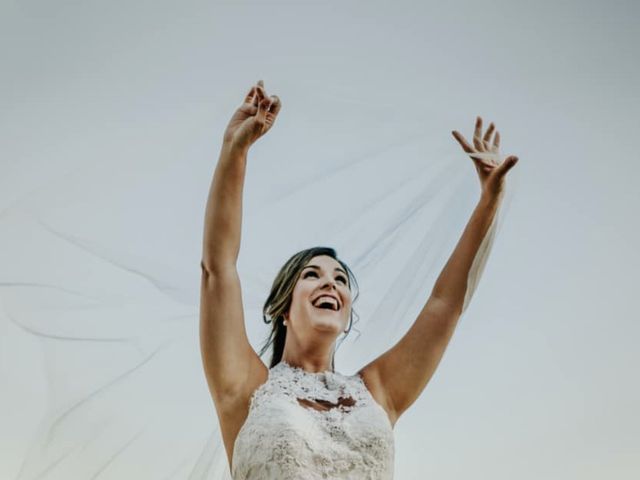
(284, 363)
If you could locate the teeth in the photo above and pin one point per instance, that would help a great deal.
(325, 298)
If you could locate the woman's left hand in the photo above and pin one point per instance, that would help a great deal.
(487, 159)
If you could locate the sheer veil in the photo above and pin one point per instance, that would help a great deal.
(102, 230)
(112, 119)
(104, 276)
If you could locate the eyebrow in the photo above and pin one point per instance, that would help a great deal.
(318, 268)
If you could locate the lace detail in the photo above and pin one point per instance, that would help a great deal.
(351, 438)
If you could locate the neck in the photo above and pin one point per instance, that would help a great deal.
(311, 352)
(315, 362)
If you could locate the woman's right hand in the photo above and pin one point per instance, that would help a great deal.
(253, 118)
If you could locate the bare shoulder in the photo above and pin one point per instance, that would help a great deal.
(375, 385)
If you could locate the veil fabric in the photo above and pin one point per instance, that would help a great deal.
(111, 120)
(90, 271)
(103, 189)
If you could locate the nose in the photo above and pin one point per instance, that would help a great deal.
(330, 282)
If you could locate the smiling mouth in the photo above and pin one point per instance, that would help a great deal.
(327, 309)
(326, 302)
(326, 305)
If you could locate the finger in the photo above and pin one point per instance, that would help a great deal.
(260, 90)
(249, 97)
(275, 105)
(467, 148)
(263, 108)
(462, 141)
(486, 139)
(507, 165)
(480, 162)
(477, 135)
(255, 95)
(496, 141)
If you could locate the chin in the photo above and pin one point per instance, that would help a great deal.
(329, 325)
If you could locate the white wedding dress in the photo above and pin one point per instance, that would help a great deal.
(283, 438)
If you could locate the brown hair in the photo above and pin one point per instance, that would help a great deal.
(279, 299)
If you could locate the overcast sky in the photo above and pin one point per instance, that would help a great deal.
(112, 118)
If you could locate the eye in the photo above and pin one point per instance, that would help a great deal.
(312, 272)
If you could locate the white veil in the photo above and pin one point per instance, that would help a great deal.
(101, 242)
(111, 120)
(116, 316)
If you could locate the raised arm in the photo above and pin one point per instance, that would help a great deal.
(227, 355)
(402, 372)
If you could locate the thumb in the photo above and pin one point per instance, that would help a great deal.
(507, 165)
(263, 108)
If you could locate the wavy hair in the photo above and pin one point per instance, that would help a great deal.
(279, 299)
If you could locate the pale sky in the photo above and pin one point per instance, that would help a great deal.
(112, 121)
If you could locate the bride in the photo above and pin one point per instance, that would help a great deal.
(299, 418)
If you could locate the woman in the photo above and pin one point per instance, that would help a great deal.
(300, 419)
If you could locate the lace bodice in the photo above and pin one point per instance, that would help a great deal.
(283, 438)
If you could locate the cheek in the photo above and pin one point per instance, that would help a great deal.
(348, 299)
(301, 296)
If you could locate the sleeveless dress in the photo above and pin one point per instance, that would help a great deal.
(286, 440)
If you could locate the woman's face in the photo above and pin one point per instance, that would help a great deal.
(322, 275)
